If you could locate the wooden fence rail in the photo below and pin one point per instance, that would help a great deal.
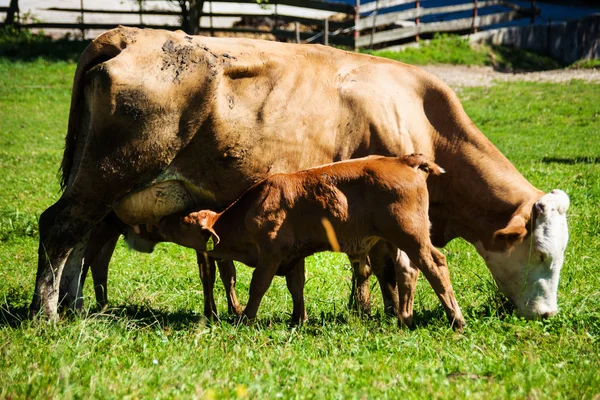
(376, 23)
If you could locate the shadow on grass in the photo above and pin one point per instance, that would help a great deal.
(13, 316)
(571, 160)
(142, 316)
(510, 59)
(27, 46)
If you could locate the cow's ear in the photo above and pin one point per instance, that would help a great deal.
(514, 232)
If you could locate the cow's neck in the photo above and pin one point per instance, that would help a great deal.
(480, 191)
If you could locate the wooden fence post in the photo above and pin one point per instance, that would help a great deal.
(13, 8)
(326, 33)
(210, 11)
(297, 29)
(82, 22)
(474, 29)
(356, 19)
(374, 23)
(417, 20)
(141, 4)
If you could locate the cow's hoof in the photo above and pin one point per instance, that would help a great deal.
(33, 313)
(459, 325)
(243, 319)
(406, 321)
(211, 316)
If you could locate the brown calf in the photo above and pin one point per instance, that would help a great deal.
(287, 217)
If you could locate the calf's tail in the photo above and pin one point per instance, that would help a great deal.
(419, 161)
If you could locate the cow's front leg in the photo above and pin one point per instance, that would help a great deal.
(407, 275)
(295, 280)
(228, 276)
(207, 269)
(261, 280)
(361, 296)
(99, 266)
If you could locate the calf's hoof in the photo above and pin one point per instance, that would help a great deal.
(235, 310)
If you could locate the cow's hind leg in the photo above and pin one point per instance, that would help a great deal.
(72, 279)
(99, 266)
(62, 227)
(98, 252)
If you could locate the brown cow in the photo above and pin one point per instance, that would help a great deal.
(216, 115)
(281, 220)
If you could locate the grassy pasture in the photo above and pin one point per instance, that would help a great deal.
(153, 343)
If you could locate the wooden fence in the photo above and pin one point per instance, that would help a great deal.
(377, 23)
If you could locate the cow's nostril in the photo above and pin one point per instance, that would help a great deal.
(548, 314)
(540, 208)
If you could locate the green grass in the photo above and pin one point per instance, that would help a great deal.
(153, 344)
(452, 49)
(586, 64)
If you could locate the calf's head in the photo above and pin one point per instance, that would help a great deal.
(528, 269)
(191, 230)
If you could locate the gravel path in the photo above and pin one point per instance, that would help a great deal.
(458, 76)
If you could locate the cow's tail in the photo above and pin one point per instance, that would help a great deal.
(419, 161)
(103, 48)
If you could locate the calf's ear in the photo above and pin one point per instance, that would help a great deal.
(514, 232)
(206, 220)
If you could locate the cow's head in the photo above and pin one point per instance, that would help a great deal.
(528, 270)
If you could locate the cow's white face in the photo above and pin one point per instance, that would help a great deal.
(528, 273)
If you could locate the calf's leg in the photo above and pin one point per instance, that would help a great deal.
(360, 297)
(261, 280)
(407, 275)
(382, 257)
(295, 280)
(433, 264)
(207, 269)
(228, 276)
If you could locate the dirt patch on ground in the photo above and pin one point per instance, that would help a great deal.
(459, 76)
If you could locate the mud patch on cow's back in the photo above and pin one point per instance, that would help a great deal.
(181, 59)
